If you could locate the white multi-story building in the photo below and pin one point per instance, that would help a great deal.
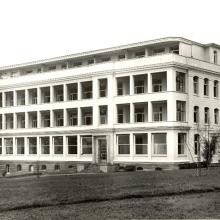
(145, 103)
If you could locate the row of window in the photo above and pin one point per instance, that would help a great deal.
(84, 90)
(206, 91)
(31, 168)
(43, 118)
(196, 117)
(159, 144)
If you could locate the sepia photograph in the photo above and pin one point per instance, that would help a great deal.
(109, 109)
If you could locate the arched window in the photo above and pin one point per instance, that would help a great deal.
(19, 168)
(195, 84)
(196, 144)
(196, 114)
(215, 57)
(216, 88)
(206, 87)
(43, 167)
(206, 117)
(216, 115)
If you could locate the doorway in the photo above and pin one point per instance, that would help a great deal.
(102, 149)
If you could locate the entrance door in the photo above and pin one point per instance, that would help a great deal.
(102, 146)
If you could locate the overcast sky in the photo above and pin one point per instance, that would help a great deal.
(38, 29)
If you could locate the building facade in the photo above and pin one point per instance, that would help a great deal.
(145, 103)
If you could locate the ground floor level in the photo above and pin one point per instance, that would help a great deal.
(72, 152)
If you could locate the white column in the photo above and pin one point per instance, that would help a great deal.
(171, 80)
(26, 120)
(131, 85)
(51, 146)
(131, 145)
(3, 99)
(149, 146)
(26, 150)
(14, 147)
(65, 150)
(171, 108)
(64, 92)
(95, 114)
(79, 91)
(3, 122)
(51, 118)
(79, 117)
(26, 96)
(78, 146)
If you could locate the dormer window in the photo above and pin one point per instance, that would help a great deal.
(215, 57)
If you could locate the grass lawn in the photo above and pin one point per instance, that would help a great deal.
(160, 194)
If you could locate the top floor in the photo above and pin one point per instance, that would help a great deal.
(176, 45)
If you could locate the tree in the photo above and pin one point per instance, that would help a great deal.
(209, 149)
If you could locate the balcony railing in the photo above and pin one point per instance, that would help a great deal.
(139, 117)
(138, 89)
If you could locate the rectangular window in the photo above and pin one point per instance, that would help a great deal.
(206, 117)
(180, 82)
(196, 144)
(86, 144)
(139, 114)
(20, 145)
(159, 141)
(58, 145)
(181, 143)
(103, 110)
(0, 145)
(215, 88)
(32, 142)
(123, 141)
(206, 87)
(141, 144)
(216, 116)
(157, 85)
(45, 145)
(196, 84)
(72, 144)
(103, 87)
(139, 86)
(180, 111)
(9, 146)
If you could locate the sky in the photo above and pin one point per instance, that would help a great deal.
(38, 29)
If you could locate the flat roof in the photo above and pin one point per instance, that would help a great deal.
(105, 50)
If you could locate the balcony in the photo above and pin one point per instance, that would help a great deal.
(159, 111)
(140, 84)
(159, 82)
(123, 113)
(21, 120)
(72, 117)
(32, 96)
(87, 118)
(58, 118)
(32, 119)
(45, 94)
(45, 119)
(9, 99)
(9, 121)
(58, 93)
(140, 112)
(86, 90)
(72, 91)
(21, 97)
(123, 85)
